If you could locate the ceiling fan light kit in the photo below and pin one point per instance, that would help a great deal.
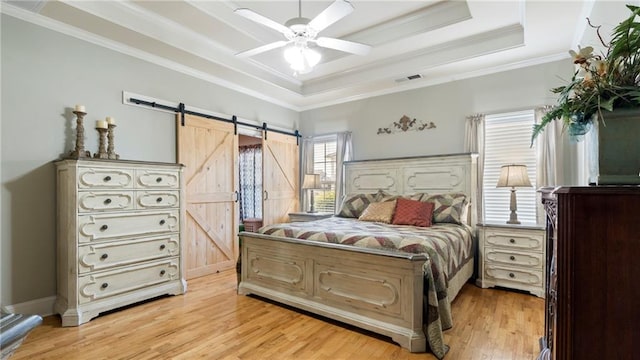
(301, 58)
(301, 31)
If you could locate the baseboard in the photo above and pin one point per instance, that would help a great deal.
(42, 307)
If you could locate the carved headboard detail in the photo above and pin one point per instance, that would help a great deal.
(406, 176)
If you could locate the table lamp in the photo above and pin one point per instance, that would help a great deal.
(311, 182)
(513, 176)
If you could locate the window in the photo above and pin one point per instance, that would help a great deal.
(324, 163)
(250, 179)
(507, 141)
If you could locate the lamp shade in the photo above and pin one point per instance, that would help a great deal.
(514, 176)
(311, 181)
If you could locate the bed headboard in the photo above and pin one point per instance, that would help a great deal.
(425, 174)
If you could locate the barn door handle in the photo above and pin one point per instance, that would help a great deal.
(237, 196)
(266, 195)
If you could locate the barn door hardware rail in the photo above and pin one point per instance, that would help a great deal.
(181, 109)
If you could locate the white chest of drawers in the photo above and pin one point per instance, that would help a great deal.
(512, 256)
(119, 235)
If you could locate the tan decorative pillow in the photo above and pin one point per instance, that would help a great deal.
(379, 212)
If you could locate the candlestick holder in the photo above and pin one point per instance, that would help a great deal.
(110, 148)
(79, 151)
(102, 152)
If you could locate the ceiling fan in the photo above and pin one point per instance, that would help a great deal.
(300, 32)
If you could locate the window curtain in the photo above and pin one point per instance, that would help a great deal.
(306, 165)
(250, 197)
(344, 153)
(549, 151)
(474, 142)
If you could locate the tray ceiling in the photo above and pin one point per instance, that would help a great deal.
(437, 40)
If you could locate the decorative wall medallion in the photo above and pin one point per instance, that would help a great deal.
(406, 124)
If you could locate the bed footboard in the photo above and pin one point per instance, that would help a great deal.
(375, 290)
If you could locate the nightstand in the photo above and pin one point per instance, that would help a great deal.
(306, 216)
(512, 256)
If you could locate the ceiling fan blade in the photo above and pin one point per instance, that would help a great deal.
(343, 45)
(262, 49)
(336, 11)
(254, 16)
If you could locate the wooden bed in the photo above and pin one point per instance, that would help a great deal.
(377, 290)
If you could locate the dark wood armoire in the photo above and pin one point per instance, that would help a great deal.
(593, 266)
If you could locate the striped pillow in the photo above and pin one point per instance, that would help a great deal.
(448, 207)
(353, 205)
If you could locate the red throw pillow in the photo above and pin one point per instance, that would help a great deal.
(413, 212)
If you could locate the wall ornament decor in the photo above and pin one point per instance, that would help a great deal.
(406, 124)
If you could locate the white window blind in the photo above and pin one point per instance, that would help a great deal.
(324, 163)
(507, 141)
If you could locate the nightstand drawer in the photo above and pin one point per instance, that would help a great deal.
(528, 260)
(500, 274)
(515, 240)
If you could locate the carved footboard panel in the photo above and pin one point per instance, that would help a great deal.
(371, 289)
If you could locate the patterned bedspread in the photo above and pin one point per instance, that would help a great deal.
(448, 248)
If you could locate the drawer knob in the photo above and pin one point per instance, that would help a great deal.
(512, 275)
(513, 241)
(107, 201)
(162, 222)
(104, 256)
(162, 246)
(107, 178)
(159, 199)
(104, 227)
(512, 258)
(104, 285)
(162, 272)
(158, 179)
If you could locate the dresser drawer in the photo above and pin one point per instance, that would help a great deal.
(512, 275)
(109, 283)
(104, 200)
(157, 199)
(515, 240)
(99, 178)
(528, 260)
(121, 225)
(157, 179)
(102, 256)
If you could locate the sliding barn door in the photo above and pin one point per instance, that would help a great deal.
(280, 156)
(209, 150)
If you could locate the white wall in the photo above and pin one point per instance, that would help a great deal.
(44, 74)
(446, 105)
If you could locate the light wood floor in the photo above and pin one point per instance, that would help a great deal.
(212, 322)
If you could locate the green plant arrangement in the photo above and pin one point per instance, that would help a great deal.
(600, 83)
